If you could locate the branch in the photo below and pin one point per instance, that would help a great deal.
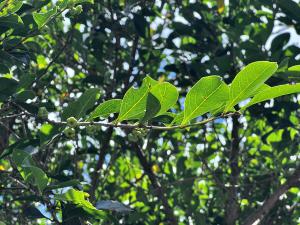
(156, 185)
(270, 202)
(232, 206)
(102, 153)
(150, 127)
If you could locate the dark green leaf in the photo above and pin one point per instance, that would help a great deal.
(79, 107)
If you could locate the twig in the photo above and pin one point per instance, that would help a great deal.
(150, 127)
(170, 217)
(270, 202)
(232, 206)
(102, 153)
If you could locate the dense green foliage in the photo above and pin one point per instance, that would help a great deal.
(149, 112)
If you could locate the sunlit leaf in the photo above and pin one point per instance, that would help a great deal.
(206, 95)
(250, 79)
(274, 92)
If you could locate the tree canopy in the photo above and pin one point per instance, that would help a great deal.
(149, 112)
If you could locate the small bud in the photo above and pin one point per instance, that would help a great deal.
(70, 132)
(78, 9)
(72, 122)
(74, 11)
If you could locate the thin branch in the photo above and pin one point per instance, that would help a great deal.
(150, 127)
(102, 153)
(270, 202)
(170, 217)
(232, 206)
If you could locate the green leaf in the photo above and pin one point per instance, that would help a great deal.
(134, 103)
(178, 118)
(293, 72)
(25, 95)
(106, 108)
(85, 102)
(247, 81)
(10, 7)
(7, 87)
(207, 94)
(42, 19)
(64, 184)
(28, 170)
(274, 92)
(79, 198)
(36, 176)
(11, 21)
(162, 97)
(82, 1)
(166, 94)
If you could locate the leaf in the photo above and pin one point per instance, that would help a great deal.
(11, 21)
(206, 95)
(106, 108)
(10, 7)
(84, 103)
(293, 72)
(79, 198)
(112, 205)
(141, 25)
(166, 94)
(274, 92)
(290, 8)
(162, 96)
(42, 19)
(221, 6)
(36, 176)
(31, 212)
(177, 119)
(247, 81)
(76, 197)
(64, 184)
(134, 103)
(25, 95)
(28, 170)
(82, 1)
(7, 87)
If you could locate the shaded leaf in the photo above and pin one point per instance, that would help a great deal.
(106, 108)
(113, 206)
(84, 103)
(11, 21)
(28, 170)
